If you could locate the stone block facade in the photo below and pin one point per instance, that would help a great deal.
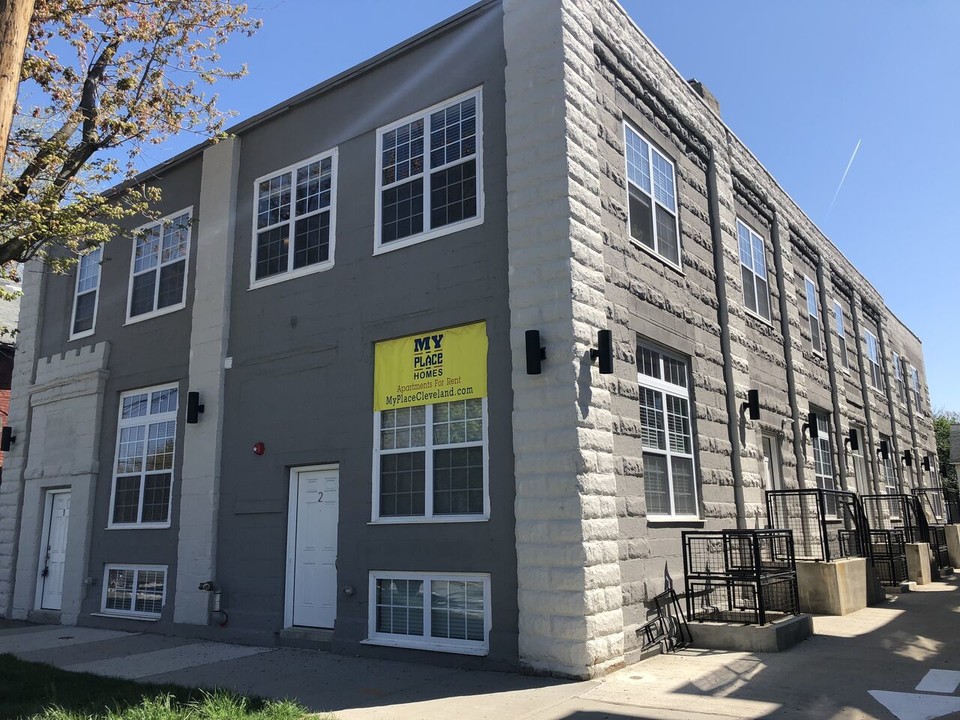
(614, 198)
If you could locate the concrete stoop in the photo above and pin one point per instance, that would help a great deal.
(306, 638)
(775, 636)
(44, 617)
(837, 587)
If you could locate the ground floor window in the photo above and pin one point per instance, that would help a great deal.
(134, 590)
(449, 613)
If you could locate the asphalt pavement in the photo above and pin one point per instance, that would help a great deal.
(899, 659)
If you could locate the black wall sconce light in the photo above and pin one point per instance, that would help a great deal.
(908, 458)
(194, 408)
(752, 405)
(536, 354)
(852, 440)
(7, 438)
(604, 351)
(884, 450)
(926, 463)
(812, 425)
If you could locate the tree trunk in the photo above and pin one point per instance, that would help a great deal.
(14, 24)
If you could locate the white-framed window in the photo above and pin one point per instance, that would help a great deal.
(430, 463)
(841, 335)
(429, 173)
(158, 266)
(859, 463)
(753, 270)
(86, 294)
(294, 220)
(772, 467)
(873, 359)
(143, 471)
(887, 469)
(915, 389)
(652, 197)
(813, 313)
(430, 611)
(669, 473)
(898, 378)
(134, 590)
(823, 461)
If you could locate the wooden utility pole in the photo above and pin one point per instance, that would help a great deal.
(14, 24)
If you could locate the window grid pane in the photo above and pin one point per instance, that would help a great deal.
(146, 437)
(119, 590)
(149, 591)
(449, 466)
(400, 607)
(666, 434)
(456, 610)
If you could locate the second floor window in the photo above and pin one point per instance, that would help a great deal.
(158, 280)
(823, 461)
(88, 287)
(813, 313)
(429, 173)
(753, 269)
(841, 335)
(651, 186)
(915, 388)
(873, 359)
(898, 378)
(294, 218)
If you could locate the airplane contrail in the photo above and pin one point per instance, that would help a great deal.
(837, 193)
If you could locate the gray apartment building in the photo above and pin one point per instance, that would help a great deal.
(297, 407)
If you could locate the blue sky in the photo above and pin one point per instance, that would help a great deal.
(800, 83)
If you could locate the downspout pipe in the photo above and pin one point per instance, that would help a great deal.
(841, 453)
(865, 393)
(798, 454)
(723, 316)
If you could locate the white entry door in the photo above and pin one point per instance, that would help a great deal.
(312, 547)
(53, 551)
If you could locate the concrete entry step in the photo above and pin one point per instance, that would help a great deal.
(306, 638)
(45, 617)
(773, 637)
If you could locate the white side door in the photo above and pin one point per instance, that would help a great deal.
(53, 551)
(312, 554)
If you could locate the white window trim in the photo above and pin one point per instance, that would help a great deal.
(290, 273)
(133, 614)
(807, 283)
(428, 516)
(752, 233)
(660, 385)
(130, 320)
(111, 525)
(424, 235)
(654, 252)
(916, 390)
(425, 642)
(76, 296)
(879, 386)
(840, 317)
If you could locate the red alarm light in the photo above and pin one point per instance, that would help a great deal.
(259, 448)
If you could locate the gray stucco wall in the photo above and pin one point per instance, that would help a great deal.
(302, 350)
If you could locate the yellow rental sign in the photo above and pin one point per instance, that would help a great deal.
(431, 367)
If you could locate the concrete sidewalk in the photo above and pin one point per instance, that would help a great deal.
(849, 669)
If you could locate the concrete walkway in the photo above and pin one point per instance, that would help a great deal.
(903, 654)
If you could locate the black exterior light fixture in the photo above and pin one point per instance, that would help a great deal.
(7, 438)
(752, 405)
(884, 450)
(604, 351)
(908, 458)
(194, 408)
(536, 353)
(811, 425)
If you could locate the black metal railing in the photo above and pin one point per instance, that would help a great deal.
(889, 554)
(826, 524)
(743, 576)
(951, 498)
(932, 503)
(896, 512)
